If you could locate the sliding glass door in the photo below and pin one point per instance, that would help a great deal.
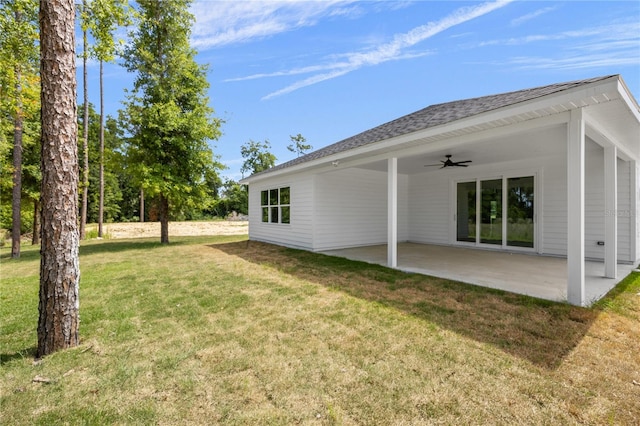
(482, 206)
(466, 212)
(520, 212)
(491, 213)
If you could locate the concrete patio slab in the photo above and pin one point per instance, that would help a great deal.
(544, 277)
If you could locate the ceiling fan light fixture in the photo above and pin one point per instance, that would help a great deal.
(450, 163)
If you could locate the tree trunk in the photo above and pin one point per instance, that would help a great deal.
(17, 166)
(164, 220)
(141, 205)
(59, 266)
(35, 239)
(101, 201)
(85, 134)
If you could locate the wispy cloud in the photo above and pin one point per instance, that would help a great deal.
(573, 62)
(613, 45)
(228, 22)
(615, 31)
(522, 19)
(396, 49)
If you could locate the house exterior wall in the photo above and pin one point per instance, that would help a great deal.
(431, 209)
(431, 219)
(624, 212)
(634, 173)
(351, 208)
(594, 205)
(342, 208)
(299, 233)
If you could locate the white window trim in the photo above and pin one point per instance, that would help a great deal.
(269, 206)
(537, 222)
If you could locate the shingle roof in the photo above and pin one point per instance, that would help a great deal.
(435, 115)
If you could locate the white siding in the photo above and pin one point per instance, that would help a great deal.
(299, 233)
(625, 239)
(594, 201)
(635, 206)
(554, 208)
(429, 207)
(431, 211)
(595, 208)
(351, 208)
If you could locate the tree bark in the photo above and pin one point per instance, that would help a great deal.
(164, 219)
(101, 200)
(85, 135)
(35, 239)
(59, 265)
(17, 166)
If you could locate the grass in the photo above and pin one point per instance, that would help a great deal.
(220, 330)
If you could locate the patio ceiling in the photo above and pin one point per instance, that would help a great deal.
(529, 144)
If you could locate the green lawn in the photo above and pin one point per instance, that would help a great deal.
(220, 330)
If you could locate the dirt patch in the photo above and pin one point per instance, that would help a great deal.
(178, 229)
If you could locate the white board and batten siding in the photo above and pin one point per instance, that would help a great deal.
(299, 232)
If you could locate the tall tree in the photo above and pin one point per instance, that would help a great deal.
(110, 157)
(298, 145)
(257, 157)
(105, 16)
(59, 265)
(18, 57)
(168, 116)
(84, 19)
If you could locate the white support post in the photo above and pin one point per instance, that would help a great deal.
(575, 208)
(634, 204)
(611, 211)
(392, 212)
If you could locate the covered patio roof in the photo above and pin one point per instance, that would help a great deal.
(544, 277)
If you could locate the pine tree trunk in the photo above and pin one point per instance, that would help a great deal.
(101, 201)
(17, 167)
(59, 266)
(35, 239)
(85, 135)
(164, 220)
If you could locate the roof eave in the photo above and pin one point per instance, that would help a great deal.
(613, 84)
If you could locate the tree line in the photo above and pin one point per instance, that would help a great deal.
(158, 144)
(151, 162)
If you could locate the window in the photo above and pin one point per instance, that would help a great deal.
(276, 205)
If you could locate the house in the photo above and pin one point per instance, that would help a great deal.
(548, 172)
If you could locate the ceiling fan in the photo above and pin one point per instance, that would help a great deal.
(449, 163)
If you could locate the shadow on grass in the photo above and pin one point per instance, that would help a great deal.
(91, 247)
(540, 331)
(25, 353)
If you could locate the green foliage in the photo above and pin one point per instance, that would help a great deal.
(234, 198)
(101, 18)
(167, 117)
(298, 145)
(115, 177)
(19, 98)
(257, 157)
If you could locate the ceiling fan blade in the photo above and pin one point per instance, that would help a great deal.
(461, 162)
(462, 165)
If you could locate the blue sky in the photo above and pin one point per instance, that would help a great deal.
(331, 69)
